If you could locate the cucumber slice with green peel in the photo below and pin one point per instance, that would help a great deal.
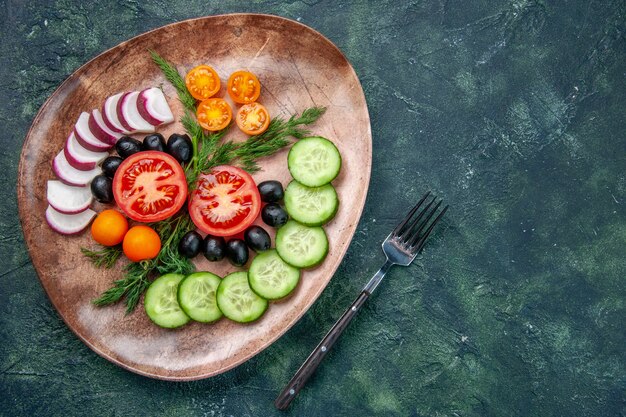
(300, 245)
(312, 206)
(314, 161)
(271, 277)
(161, 303)
(197, 296)
(237, 301)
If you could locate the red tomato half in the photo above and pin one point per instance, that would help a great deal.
(150, 186)
(225, 202)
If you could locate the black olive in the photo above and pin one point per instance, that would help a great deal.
(214, 248)
(110, 164)
(274, 215)
(189, 245)
(237, 252)
(257, 238)
(271, 191)
(102, 188)
(154, 142)
(180, 147)
(127, 146)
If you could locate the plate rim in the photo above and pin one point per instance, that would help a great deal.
(21, 188)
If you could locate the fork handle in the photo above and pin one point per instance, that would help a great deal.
(315, 358)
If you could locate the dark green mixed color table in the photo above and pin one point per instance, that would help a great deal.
(514, 111)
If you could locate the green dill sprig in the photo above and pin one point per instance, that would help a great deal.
(276, 137)
(173, 76)
(171, 231)
(134, 283)
(104, 257)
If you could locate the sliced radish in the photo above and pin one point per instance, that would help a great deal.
(79, 157)
(130, 116)
(68, 224)
(119, 113)
(85, 137)
(70, 175)
(100, 129)
(67, 199)
(109, 114)
(153, 107)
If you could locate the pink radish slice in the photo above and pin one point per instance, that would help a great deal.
(85, 137)
(100, 129)
(68, 224)
(109, 114)
(79, 157)
(67, 199)
(153, 107)
(130, 113)
(70, 175)
(120, 115)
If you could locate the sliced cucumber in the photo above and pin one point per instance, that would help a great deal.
(271, 277)
(161, 304)
(312, 206)
(197, 296)
(314, 161)
(301, 246)
(237, 301)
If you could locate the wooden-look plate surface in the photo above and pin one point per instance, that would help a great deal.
(298, 68)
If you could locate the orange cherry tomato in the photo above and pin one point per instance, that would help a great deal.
(109, 228)
(141, 243)
(214, 114)
(253, 118)
(202, 82)
(243, 87)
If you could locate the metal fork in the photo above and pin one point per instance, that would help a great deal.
(400, 247)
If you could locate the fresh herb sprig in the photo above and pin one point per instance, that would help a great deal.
(173, 76)
(208, 151)
(105, 257)
(274, 138)
(134, 283)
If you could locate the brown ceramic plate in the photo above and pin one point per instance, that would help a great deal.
(298, 68)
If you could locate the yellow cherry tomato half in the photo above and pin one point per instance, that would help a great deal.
(109, 228)
(141, 243)
(202, 82)
(243, 87)
(214, 114)
(253, 118)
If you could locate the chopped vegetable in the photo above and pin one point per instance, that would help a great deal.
(150, 186)
(68, 224)
(197, 296)
(243, 87)
(314, 161)
(225, 202)
(237, 301)
(202, 82)
(68, 199)
(214, 114)
(161, 302)
(253, 118)
(301, 246)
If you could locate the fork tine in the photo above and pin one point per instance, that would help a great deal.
(417, 247)
(409, 231)
(414, 235)
(403, 223)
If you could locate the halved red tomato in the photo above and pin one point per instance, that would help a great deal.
(150, 186)
(225, 202)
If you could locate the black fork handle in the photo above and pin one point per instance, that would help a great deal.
(315, 358)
